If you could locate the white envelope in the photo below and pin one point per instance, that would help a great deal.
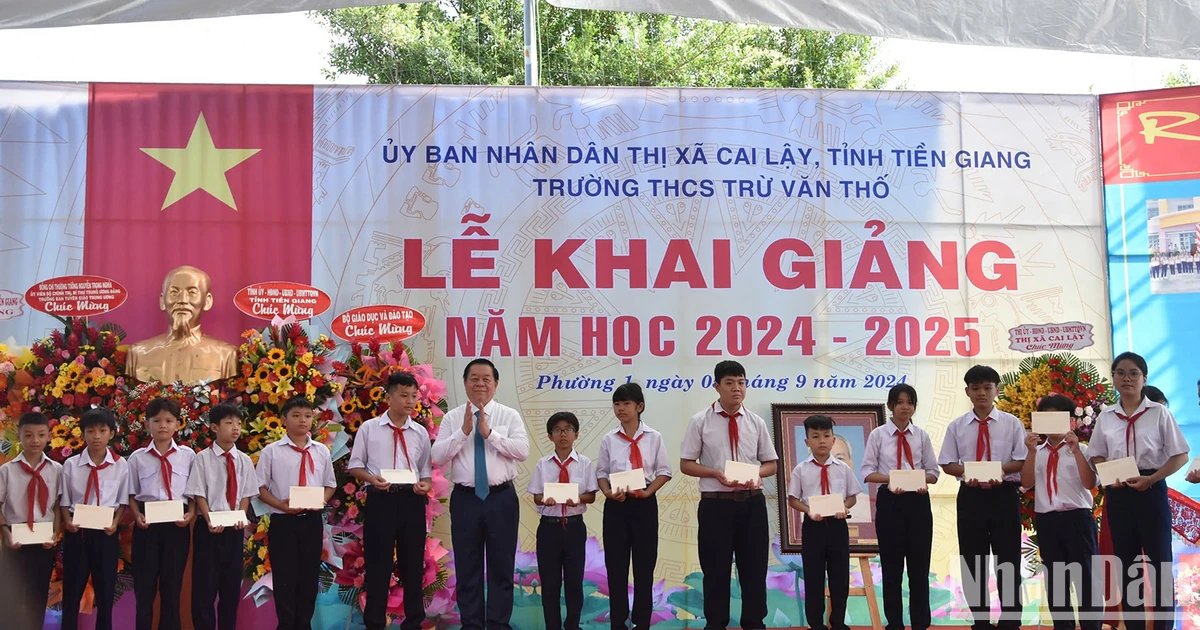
(163, 511)
(1051, 422)
(228, 518)
(307, 497)
(93, 516)
(983, 472)
(1195, 465)
(1117, 470)
(399, 477)
(40, 534)
(629, 480)
(906, 480)
(740, 472)
(826, 505)
(561, 492)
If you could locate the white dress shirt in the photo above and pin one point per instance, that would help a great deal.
(706, 441)
(581, 470)
(209, 473)
(14, 484)
(377, 448)
(805, 480)
(1158, 436)
(614, 454)
(1007, 441)
(279, 468)
(145, 473)
(880, 456)
(505, 446)
(114, 481)
(1069, 492)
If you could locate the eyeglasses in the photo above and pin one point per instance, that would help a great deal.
(1134, 374)
(562, 431)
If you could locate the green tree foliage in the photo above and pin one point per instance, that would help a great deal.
(481, 42)
(1180, 78)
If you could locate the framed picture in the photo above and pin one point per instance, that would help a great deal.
(851, 426)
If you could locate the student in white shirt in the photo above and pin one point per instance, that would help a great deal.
(482, 442)
(903, 520)
(394, 522)
(1062, 479)
(1139, 512)
(631, 518)
(222, 480)
(295, 535)
(159, 472)
(96, 476)
(989, 512)
(30, 479)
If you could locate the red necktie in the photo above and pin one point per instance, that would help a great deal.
(1052, 472)
(305, 456)
(1131, 430)
(903, 451)
(37, 491)
(983, 445)
(94, 482)
(635, 453)
(399, 444)
(733, 434)
(563, 477)
(824, 478)
(165, 467)
(231, 489)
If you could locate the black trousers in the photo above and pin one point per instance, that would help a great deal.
(826, 549)
(216, 573)
(159, 555)
(89, 553)
(631, 530)
(1068, 542)
(26, 595)
(1141, 524)
(479, 530)
(904, 523)
(728, 528)
(561, 547)
(989, 520)
(394, 522)
(294, 544)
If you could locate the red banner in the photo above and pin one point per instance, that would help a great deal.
(268, 300)
(1151, 136)
(76, 296)
(381, 322)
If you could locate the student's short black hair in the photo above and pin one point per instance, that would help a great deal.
(728, 368)
(1155, 394)
(562, 416)
(222, 411)
(159, 405)
(981, 375)
(1136, 359)
(33, 419)
(474, 362)
(399, 378)
(818, 423)
(631, 392)
(901, 388)
(1056, 402)
(98, 416)
(296, 402)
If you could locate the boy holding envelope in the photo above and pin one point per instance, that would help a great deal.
(989, 509)
(158, 481)
(816, 481)
(289, 472)
(29, 487)
(222, 480)
(95, 491)
(726, 438)
(561, 535)
(1062, 479)
(391, 457)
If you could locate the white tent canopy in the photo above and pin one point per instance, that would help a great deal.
(47, 13)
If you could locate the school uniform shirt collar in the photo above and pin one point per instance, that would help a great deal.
(1045, 446)
(287, 439)
(232, 449)
(174, 447)
(86, 458)
(1145, 404)
(832, 461)
(25, 458)
(573, 457)
(636, 434)
(893, 429)
(990, 415)
(718, 410)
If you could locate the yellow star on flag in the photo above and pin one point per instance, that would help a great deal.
(200, 166)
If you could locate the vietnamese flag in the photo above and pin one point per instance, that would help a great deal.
(214, 176)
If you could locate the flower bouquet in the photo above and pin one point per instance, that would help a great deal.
(69, 372)
(194, 403)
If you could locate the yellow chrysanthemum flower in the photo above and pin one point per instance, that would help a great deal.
(254, 398)
(307, 358)
(76, 432)
(273, 399)
(81, 388)
(58, 442)
(262, 553)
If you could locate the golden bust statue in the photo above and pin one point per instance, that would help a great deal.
(184, 353)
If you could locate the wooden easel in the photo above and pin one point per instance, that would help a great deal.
(866, 590)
